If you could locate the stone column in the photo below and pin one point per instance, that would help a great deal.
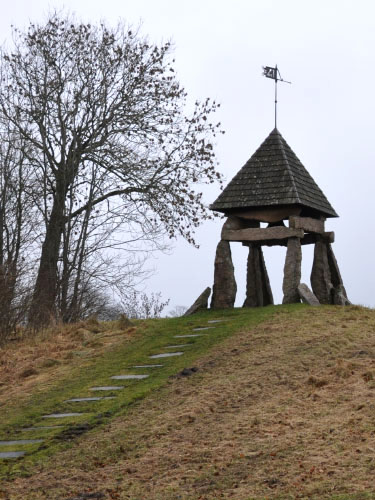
(225, 287)
(321, 274)
(292, 271)
(258, 289)
(339, 296)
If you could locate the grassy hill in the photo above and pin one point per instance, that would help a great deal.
(280, 404)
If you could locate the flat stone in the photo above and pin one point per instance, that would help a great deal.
(307, 295)
(200, 304)
(21, 441)
(78, 400)
(12, 454)
(175, 346)
(188, 336)
(129, 377)
(107, 388)
(216, 320)
(148, 366)
(62, 415)
(165, 355)
(42, 428)
(202, 328)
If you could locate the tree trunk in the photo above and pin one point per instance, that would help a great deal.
(42, 309)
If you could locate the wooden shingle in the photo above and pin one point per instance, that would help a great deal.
(273, 177)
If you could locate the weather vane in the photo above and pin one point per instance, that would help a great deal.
(274, 73)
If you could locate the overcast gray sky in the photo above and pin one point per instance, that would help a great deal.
(326, 48)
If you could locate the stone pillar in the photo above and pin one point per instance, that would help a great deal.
(292, 271)
(321, 274)
(258, 289)
(225, 287)
(339, 296)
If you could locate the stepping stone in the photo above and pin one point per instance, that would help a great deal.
(107, 388)
(188, 336)
(21, 441)
(175, 346)
(62, 415)
(79, 400)
(166, 355)
(147, 366)
(202, 328)
(129, 377)
(43, 427)
(216, 320)
(12, 454)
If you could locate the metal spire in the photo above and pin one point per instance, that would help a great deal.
(274, 73)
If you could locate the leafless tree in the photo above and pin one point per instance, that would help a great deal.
(18, 221)
(86, 97)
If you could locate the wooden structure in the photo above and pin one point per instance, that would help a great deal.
(274, 187)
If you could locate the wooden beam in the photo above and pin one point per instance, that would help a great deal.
(307, 224)
(328, 237)
(267, 214)
(261, 235)
(308, 239)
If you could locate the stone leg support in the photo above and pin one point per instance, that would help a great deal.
(292, 271)
(225, 287)
(326, 278)
(321, 275)
(258, 289)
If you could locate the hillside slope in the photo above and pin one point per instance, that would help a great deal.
(283, 408)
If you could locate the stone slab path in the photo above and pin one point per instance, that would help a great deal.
(147, 366)
(20, 441)
(165, 355)
(12, 454)
(62, 415)
(80, 400)
(188, 336)
(109, 388)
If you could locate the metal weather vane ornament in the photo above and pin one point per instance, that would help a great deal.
(274, 73)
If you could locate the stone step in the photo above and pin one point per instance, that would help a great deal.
(107, 388)
(44, 427)
(178, 345)
(62, 415)
(147, 366)
(188, 336)
(129, 377)
(79, 400)
(20, 442)
(12, 454)
(165, 355)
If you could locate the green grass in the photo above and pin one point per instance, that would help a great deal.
(151, 338)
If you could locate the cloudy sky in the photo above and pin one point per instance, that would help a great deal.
(326, 48)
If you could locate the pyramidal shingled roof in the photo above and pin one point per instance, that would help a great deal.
(273, 176)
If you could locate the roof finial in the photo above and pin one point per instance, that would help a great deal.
(274, 73)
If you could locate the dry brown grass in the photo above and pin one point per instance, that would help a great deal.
(286, 410)
(31, 362)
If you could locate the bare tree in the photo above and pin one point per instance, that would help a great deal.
(18, 220)
(85, 97)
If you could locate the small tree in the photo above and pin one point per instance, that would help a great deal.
(86, 97)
